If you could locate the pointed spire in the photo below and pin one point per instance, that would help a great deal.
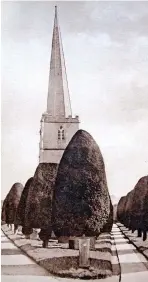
(58, 102)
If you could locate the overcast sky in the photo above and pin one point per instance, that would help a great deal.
(106, 51)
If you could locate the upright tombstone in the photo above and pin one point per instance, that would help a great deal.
(74, 242)
(81, 202)
(84, 252)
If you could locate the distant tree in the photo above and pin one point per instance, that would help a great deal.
(139, 207)
(115, 212)
(132, 209)
(20, 214)
(121, 209)
(81, 203)
(108, 226)
(127, 209)
(145, 216)
(39, 200)
(4, 208)
(2, 203)
(11, 203)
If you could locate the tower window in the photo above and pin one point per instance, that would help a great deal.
(63, 137)
(61, 133)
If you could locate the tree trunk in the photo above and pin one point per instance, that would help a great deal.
(139, 232)
(15, 229)
(144, 235)
(45, 244)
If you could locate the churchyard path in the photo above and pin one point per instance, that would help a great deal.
(134, 266)
(16, 267)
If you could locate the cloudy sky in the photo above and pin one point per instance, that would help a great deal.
(106, 52)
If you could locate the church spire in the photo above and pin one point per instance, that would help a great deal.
(58, 101)
(57, 124)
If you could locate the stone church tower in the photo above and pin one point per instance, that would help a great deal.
(57, 124)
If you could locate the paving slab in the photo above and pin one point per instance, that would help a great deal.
(134, 266)
(142, 246)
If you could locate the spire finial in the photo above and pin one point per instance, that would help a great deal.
(56, 16)
(55, 11)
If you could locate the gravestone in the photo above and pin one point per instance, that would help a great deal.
(84, 252)
(74, 243)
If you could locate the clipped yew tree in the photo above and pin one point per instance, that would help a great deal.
(3, 213)
(39, 200)
(20, 214)
(139, 210)
(108, 226)
(81, 203)
(145, 214)
(121, 209)
(11, 203)
(127, 209)
(115, 213)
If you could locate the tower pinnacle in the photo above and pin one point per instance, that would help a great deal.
(58, 101)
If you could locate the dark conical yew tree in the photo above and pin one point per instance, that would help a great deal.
(39, 200)
(145, 215)
(139, 206)
(20, 214)
(3, 213)
(81, 203)
(121, 209)
(108, 226)
(115, 213)
(11, 203)
(127, 209)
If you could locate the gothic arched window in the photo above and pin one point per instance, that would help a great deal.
(61, 133)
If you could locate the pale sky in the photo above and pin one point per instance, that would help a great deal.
(106, 52)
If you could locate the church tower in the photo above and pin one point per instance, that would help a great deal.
(57, 124)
